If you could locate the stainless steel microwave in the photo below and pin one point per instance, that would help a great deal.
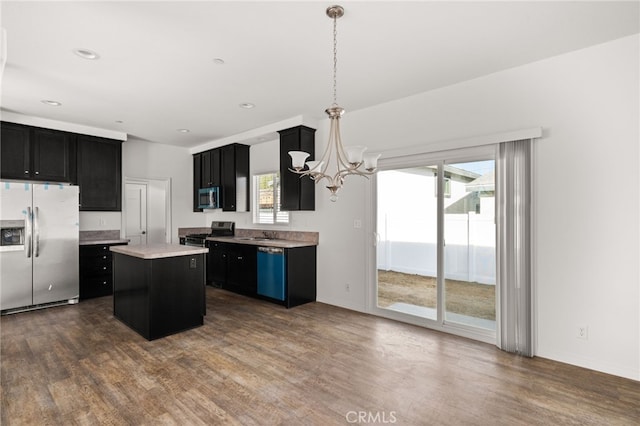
(209, 198)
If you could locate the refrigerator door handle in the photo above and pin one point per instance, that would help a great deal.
(27, 237)
(36, 233)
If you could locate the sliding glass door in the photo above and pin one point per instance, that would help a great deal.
(469, 266)
(436, 241)
(407, 244)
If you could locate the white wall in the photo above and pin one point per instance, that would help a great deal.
(145, 160)
(587, 188)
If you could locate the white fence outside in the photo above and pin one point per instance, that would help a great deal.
(469, 247)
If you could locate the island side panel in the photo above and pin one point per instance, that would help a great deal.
(177, 294)
(131, 292)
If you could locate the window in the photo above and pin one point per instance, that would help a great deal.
(266, 199)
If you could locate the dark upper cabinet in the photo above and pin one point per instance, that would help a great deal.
(15, 147)
(197, 178)
(34, 153)
(99, 173)
(54, 155)
(296, 193)
(228, 168)
(210, 168)
(234, 176)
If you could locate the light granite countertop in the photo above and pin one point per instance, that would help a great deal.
(258, 241)
(158, 251)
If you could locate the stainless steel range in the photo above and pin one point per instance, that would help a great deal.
(218, 229)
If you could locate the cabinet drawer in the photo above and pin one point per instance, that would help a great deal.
(96, 286)
(95, 250)
(95, 268)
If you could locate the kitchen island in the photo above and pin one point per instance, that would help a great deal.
(159, 289)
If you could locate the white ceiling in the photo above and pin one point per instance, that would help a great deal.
(156, 71)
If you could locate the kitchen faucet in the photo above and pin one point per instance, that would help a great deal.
(269, 234)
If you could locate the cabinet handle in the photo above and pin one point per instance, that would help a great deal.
(104, 283)
(26, 172)
(104, 257)
(37, 173)
(239, 257)
(104, 268)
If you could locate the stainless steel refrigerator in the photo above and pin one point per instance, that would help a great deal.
(39, 250)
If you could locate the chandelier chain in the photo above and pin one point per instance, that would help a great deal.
(335, 59)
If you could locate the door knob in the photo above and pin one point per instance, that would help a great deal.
(144, 232)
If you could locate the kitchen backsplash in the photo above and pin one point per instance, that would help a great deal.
(110, 234)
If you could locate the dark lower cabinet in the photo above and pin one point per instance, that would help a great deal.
(234, 267)
(216, 263)
(95, 270)
(301, 272)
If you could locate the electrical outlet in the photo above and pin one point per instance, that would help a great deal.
(102, 222)
(357, 224)
(582, 332)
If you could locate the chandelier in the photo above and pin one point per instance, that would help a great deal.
(348, 160)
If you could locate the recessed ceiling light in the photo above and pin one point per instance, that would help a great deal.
(247, 105)
(86, 54)
(218, 61)
(50, 102)
(183, 130)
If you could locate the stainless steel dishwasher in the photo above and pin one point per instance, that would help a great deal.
(272, 277)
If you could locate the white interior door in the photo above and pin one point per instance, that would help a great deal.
(136, 213)
(157, 218)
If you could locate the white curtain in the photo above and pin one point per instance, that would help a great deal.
(514, 195)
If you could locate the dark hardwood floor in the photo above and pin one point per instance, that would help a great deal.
(257, 363)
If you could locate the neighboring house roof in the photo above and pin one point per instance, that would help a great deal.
(481, 187)
(466, 204)
(485, 183)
